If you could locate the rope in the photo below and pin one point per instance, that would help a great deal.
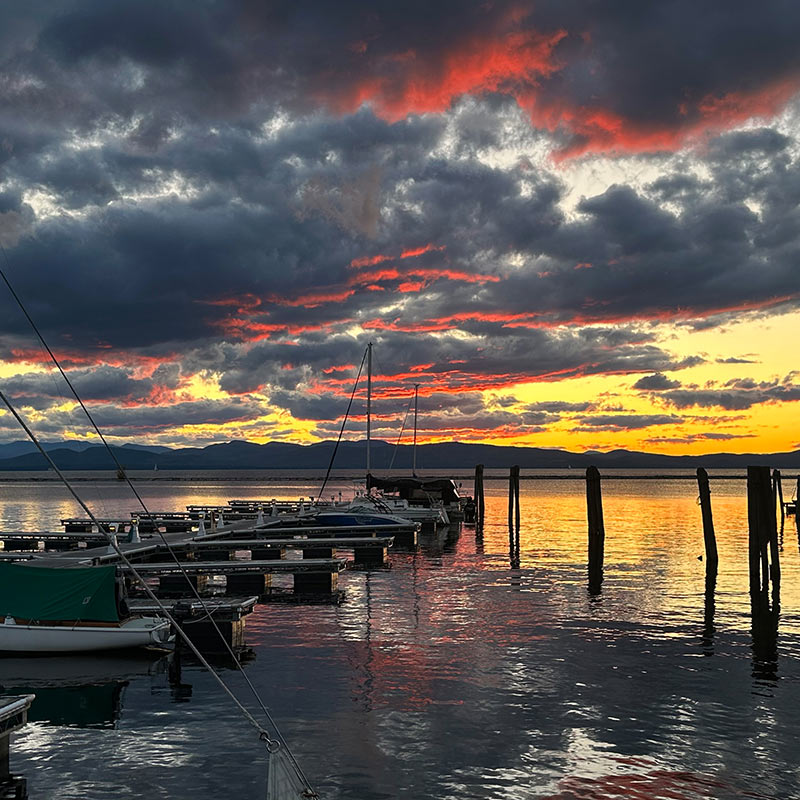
(128, 564)
(152, 520)
(341, 430)
(400, 435)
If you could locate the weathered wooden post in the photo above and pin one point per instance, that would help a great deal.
(797, 506)
(478, 489)
(597, 533)
(710, 539)
(777, 487)
(763, 534)
(513, 498)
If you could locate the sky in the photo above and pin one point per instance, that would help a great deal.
(573, 224)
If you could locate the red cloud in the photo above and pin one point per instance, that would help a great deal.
(519, 63)
(421, 251)
(242, 304)
(408, 84)
(144, 366)
(371, 261)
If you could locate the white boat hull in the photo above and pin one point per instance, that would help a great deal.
(135, 632)
(400, 508)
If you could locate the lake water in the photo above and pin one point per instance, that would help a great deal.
(461, 672)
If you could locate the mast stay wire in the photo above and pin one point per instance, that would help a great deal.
(152, 520)
(344, 421)
(400, 435)
(127, 561)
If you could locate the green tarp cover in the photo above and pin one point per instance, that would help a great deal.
(58, 594)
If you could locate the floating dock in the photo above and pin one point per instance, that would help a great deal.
(13, 715)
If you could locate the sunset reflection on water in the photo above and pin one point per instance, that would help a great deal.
(457, 673)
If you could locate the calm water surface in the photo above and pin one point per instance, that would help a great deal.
(468, 670)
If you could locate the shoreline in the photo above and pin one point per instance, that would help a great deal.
(210, 476)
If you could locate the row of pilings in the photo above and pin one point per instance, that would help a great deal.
(764, 498)
(764, 495)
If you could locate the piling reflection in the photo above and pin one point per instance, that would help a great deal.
(513, 548)
(766, 612)
(709, 609)
(478, 666)
(180, 692)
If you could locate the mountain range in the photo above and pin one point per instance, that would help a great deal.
(352, 455)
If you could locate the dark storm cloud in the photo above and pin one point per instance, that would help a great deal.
(99, 383)
(656, 382)
(172, 188)
(450, 360)
(627, 422)
(697, 437)
(119, 421)
(559, 406)
(254, 216)
(736, 395)
(639, 63)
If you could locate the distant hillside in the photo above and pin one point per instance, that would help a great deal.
(352, 455)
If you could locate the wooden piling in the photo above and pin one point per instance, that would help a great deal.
(513, 498)
(777, 487)
(597, 533)
(479, 499)
(764, 560)
(709, 537)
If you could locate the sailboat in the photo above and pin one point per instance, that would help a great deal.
(70, 609)
(409, 498)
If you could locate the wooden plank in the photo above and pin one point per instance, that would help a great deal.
(222, 567)
(297, 544)
(321, 530)
(14, 713)
(228, 605)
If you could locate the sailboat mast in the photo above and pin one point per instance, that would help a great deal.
(416, 398)
(369, 400)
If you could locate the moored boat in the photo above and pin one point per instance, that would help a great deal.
(70, 609)
(438, 493)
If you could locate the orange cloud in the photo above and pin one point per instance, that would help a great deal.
(517, 63)
(313, 299)
(411, 85)
(242, 304)
(421, 251)
(371, 261)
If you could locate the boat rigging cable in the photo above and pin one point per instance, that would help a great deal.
(344, 422)
(272, 745)
(400, 435)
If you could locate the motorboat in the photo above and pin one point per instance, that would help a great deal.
(338, 518)
(420, 493)
(399, 507)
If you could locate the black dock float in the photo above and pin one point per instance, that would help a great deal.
(255, 583)
(367, 551)
(176, 585)
(228, 620)
(13, 715)
(312, 577)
